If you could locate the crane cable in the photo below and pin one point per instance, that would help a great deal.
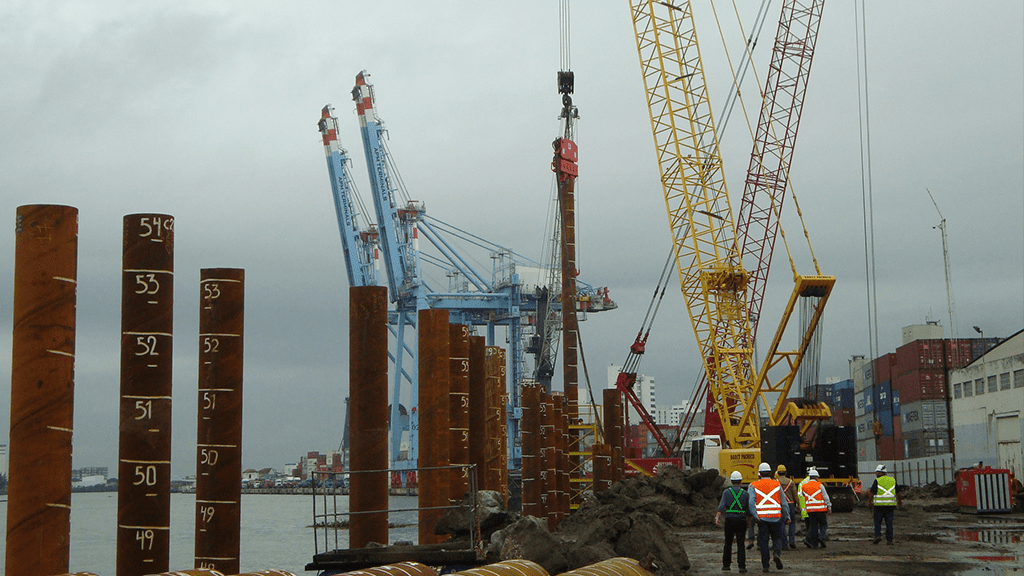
(867, 201)
(750, 130)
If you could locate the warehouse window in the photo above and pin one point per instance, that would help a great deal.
(956, 390)
(992, 386)
(968, 389)
(1004, 381)
(979, 386)
(1018, 378)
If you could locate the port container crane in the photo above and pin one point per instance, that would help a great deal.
(498, 299)
(707, 253)
(359, 243)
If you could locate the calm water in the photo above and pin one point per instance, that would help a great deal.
(276, 531)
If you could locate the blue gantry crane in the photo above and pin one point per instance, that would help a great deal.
(485, 301)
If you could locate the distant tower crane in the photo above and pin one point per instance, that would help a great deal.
(949, 286)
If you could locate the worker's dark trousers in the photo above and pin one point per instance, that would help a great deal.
(774, 530)
(734, 528)
(818, 525)
(794, 512)
(884, 513)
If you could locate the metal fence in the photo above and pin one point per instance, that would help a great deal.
(914, 472)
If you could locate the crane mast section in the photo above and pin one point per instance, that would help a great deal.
(714, 283)
(359, 246)
(768, 174)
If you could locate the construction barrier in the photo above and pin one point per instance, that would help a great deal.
(914, 472)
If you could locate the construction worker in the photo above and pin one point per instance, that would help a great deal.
(734, 504)
(818, 506)
(789, 489)
(766, 507)
(883, 499)
(802, 503)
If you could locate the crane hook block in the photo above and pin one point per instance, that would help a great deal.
(565, 81)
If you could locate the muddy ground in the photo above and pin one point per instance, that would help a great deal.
(666, 521)
(927, 543)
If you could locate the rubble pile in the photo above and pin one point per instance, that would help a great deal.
(929, 491)
(640, 517)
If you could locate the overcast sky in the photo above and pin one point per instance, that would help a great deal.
(207, 111)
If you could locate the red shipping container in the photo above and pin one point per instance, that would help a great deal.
(886, 449)
(921, 385)
(959, 355)
(883, 368)
(843, 417)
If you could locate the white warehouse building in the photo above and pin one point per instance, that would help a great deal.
(986, 407)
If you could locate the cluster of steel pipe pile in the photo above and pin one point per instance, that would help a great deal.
(461, 396)
(42, 400)
(550, 450)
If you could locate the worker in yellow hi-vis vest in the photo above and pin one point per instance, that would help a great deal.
(883, 499)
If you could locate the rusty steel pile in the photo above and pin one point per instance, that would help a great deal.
(42, 400)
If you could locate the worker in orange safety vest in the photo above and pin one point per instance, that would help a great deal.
(767, 507)
(818, 506)
(789, 489)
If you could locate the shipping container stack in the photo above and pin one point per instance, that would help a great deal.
(842, 403)
(920, 376)
(905, 393)
(819, 393)
(864, 409)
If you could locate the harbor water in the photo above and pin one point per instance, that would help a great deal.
(276, 530)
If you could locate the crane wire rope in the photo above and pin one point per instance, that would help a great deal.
(750, 130)
(867, 201)
(745, 60)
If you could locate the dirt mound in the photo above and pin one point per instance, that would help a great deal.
(640, 517)
(929, 491)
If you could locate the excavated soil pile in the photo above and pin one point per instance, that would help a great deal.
(928, 492)
(641, 518)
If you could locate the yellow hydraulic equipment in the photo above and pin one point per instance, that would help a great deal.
(712, 277)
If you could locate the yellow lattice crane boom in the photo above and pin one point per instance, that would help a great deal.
(712, 277)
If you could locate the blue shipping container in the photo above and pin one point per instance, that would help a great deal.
(896, 403)
(885, 417)
(843, 385)
(882, 396)
(844, 397)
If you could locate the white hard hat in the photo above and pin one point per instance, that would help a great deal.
(813, 473)
(880, 468)
(736, 476)
(764, 467)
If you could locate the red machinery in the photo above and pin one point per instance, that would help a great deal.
(984, 490)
